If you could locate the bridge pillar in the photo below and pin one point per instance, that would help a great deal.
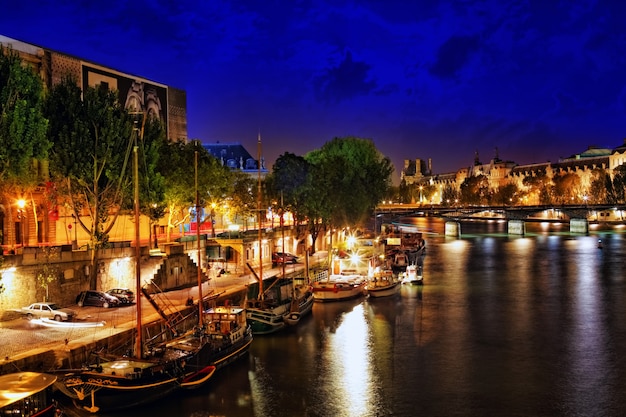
(517, 227)
(453, 229)
(579, 226)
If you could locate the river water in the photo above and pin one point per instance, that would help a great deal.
(503, 326)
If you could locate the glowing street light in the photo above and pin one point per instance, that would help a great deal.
(21, 204)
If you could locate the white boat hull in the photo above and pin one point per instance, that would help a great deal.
(338, 289)
(413, 275)
(384, 291)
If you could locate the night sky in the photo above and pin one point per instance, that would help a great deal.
(538, 80)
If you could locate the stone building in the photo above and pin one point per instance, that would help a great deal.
(53, 225)
(499, 172)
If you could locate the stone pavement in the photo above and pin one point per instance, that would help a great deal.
(21, 338)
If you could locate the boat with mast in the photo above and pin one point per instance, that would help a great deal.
(163, 364)
(302, 293)
(28, 394)
(269, 299)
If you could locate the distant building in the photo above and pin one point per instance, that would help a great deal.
(499, 172)
(54, 225)
(167, 103)
(234, 156)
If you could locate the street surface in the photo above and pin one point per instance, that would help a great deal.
(20, 335)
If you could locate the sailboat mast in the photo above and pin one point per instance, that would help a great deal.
(258, 208)
(138, 342)
(200, 303)
(282, 228)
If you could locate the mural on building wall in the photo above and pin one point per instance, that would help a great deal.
(136, 94)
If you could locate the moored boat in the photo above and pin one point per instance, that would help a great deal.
(167, 362)
(339, 287)
(383, 284)
(413, 275)
(301, 304)
(224, 337)
(28, 394)
(267, 308)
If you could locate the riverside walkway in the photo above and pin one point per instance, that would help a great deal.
(22, 338)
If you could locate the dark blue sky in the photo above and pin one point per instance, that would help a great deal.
(538, 80)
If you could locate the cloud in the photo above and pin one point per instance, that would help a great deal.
(346, 81)
(453, 55)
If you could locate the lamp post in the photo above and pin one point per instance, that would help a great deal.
(75, 243)
(21, 203)
(212, 219)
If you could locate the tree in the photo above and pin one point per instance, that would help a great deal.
(567, 188)
(539, 187)
(214, 181)
(23, 128)
(348, 178)
(474, 190)
(244, 192)
(449, 196)
(288, 183)
(619, 183)
(601, 187)
(91, 161)
(47, 270)
(506, 194)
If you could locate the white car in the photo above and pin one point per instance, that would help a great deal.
(48, 311)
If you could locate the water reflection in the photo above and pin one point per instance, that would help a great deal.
(503, 325)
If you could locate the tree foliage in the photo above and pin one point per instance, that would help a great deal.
(289, 183)
(538, 187)
(22, 123)
(23, 141)
(347, 179)
(506, 194)
(178, 170)
(567, 188)
(355, 177)
(619, 183)
(91, 159)
(475, 190)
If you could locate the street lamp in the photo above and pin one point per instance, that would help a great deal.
(21, 203)
(75, 243)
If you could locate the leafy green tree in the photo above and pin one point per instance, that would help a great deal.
(349, 177)
(567, 188)
(506, 194)
(244, 192)
(288, 183)
(601, 187)
(619, 183)
(92, 156)
(450, 196)
(92, 160)
(23, 141)
(214, 181)
(428, 193)
(474, 190)
(47, 269)
(539, 188)
(405, 193)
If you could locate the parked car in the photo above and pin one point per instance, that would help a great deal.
(286, 257)
(125, 295)
(48, 311)
(97, 298)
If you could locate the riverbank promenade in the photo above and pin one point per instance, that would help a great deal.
(23, 339)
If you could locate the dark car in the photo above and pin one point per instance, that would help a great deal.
(97, 298)
(283, 257)
(125, 295)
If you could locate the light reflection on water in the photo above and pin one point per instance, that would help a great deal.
(504, 326)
